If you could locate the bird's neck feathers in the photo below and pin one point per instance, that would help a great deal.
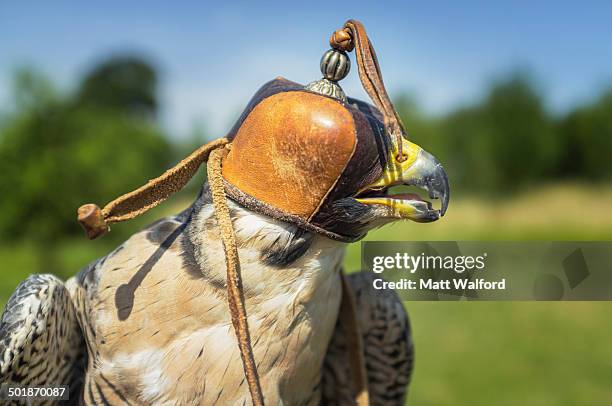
(274, 256)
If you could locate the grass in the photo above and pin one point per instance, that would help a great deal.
(512, 353)
(476, 353)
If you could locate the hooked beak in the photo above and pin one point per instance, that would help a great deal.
(420, 169)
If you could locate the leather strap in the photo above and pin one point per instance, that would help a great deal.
(353, 35)
(95, 220)
(235, 292)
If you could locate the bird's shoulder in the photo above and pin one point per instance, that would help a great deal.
(142, 286)
(141, 252)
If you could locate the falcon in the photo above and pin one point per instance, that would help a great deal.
(304, 171)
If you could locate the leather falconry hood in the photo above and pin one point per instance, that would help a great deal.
(311, 147)
(294, 150)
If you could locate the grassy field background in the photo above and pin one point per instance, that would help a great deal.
(472, 353)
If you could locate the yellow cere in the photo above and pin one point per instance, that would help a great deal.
(397, 172)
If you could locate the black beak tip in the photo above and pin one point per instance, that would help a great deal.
(437, 187)
(445, 192)
(444, 205)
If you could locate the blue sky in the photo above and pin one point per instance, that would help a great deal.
(213, 56)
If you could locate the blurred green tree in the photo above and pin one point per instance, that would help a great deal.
(126, 83)
(524, 146)
(56, 154)
(504, 142)
(31, 90)
(587, 134)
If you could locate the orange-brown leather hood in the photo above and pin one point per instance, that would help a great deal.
(294, 151)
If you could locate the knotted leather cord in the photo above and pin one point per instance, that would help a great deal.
(353, 35)
(95, 220)
(235, 294)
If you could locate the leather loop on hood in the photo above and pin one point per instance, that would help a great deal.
(353, 35)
